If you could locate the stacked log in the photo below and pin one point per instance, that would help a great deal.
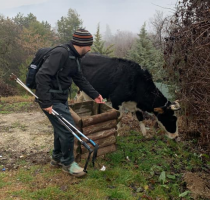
(99, 123)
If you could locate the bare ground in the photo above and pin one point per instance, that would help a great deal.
(24, 135)
(198, 183)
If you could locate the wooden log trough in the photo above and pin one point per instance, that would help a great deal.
(99, 123)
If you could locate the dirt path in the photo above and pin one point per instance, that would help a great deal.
(25, 135)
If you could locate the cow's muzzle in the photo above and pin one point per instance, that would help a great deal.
(174, 106)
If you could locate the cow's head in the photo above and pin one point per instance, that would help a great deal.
(166, 118)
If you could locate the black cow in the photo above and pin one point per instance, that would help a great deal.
(126, 84)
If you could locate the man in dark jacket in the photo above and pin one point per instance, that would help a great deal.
(53, 80)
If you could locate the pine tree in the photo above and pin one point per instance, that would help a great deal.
(98, 45)
(144, 53)
(68, 25)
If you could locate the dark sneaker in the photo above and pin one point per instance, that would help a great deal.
(55, 163)
(74, 169)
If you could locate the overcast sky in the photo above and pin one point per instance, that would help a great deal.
(124, 15)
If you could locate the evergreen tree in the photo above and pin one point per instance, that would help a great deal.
(98, 45)
(68, 25)
(22, 21)
(144, 53)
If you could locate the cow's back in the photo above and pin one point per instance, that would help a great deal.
(105, 73)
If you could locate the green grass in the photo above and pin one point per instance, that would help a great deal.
(139, 169)
(2, 183)
(17, 104)
(6, 108)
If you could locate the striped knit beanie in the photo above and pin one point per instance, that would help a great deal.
(82, 37)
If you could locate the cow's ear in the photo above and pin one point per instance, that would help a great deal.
(159, 110)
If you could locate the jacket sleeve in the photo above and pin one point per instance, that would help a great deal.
(84, 85)
(46, 74)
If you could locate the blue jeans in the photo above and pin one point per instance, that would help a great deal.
(63, 140)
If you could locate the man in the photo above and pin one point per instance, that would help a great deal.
(53, 80)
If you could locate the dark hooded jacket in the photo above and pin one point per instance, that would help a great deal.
(58, 61)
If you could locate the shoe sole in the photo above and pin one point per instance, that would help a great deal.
(76, 175)
(57, 165)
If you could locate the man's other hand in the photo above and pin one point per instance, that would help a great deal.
(49, 109)
(99, 99)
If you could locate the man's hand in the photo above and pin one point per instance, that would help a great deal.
(49, 109)
(99, 99)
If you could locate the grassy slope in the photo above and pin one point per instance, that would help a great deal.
(17, 104)
(140, 169)
(152, 170)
